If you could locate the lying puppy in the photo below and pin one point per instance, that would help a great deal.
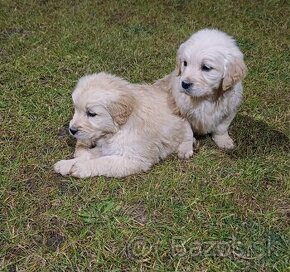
(122, 128)
(206, 86)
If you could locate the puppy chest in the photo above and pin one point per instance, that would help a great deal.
(204, 120)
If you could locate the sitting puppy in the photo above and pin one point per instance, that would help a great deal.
(206, 86)
(122, 128)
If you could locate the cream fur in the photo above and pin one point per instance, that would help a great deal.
(212, 100)
(133, 128)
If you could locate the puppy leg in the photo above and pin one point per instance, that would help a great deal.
(185, 149)
(221, 136)
(109, 166)
(63, 167)
(82, 153)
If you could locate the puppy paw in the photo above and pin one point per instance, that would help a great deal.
(81, 170)
(185, 155)
(63, 167)
(224, 141)
(185, 151)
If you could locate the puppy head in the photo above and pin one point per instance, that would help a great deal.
(209, 61)
(101, 106)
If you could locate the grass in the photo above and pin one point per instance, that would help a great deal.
(217, 212)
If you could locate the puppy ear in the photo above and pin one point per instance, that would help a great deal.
(236, 70)
(178, 65)
(121, 109)
(178, 59)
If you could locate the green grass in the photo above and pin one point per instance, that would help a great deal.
(217, 212)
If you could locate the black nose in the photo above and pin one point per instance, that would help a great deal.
(73, 130)
(185, 85)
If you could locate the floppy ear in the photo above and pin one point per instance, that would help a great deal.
(235, 71)
(178, 64)
(178, 59)
(121, 109)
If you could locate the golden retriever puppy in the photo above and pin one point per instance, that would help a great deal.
(122, 128)
(206, 87)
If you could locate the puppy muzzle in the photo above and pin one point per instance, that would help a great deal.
(73, 131)
(186, 85)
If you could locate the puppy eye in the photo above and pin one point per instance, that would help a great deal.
(91, 114)
(206, 68)
(185, 63)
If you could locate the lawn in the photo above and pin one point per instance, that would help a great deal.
(218, 211)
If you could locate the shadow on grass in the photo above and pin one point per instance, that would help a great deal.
(257, 138)
(64, 135)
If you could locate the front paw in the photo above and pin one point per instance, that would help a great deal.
(82, 170)
(185, 150)
(224, 141)
(63, 167)
(185, 155)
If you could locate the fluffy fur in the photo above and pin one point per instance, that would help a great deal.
(122, 128)
(206, 85)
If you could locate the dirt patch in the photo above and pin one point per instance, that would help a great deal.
(45, 79)
(138, 212)
(8, 32)
(120, 18)
(66, 188)
(53, 239)
(15, 252)
(63, 132)
(32, 185)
